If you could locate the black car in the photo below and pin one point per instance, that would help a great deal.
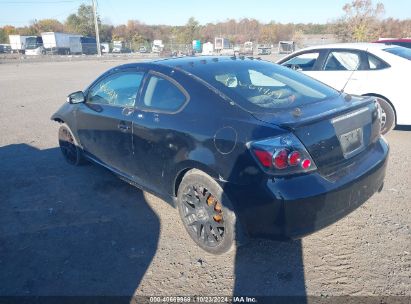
(242, 147)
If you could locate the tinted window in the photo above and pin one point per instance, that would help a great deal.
(163, 95)
(375, 63)
(261, 86)
(399, 43)
(400, 51)
(342, 61)
(118, 90)
(303, 62)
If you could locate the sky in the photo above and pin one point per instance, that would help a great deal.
(177, 12)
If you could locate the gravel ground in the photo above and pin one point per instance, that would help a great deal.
(82, 231)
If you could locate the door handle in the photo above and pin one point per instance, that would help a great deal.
(123, 127)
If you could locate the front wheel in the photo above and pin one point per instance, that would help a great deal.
(69, 148)
(206, 212)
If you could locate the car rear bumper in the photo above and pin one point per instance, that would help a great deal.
(296, 206)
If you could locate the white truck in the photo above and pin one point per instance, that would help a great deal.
(208, 49)
(118, 46)
(18, 43)
(105, 47)
(222, 46)
(57, 43)
(157, 46)
(286, 47)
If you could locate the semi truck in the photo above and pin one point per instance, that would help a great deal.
(18, 43)
(34, 46)
(57, 43)
(83, 45)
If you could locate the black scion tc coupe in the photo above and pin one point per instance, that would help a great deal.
(242, 147)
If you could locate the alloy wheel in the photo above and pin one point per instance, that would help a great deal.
(203, 215)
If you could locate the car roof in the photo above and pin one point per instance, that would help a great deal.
(187, 62)
(393, 40)
(193, 61)
(358, 46)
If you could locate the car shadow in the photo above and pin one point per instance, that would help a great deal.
(267, 269)
(80, 231)
(68, 230)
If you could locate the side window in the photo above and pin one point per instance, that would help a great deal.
(303, 62)
(117, 90)
(342, 61)
(162, 94)
(375, 63)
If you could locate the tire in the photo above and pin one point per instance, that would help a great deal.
(206, 212)
(388, 118)
(69, 147)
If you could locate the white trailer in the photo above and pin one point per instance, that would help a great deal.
(18, 43)
(221, 43)
(286, 47)
(75, 45)
(57, 43)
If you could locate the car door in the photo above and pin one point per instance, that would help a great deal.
(308, 62)
(344, 70)
(155, 139)
(104, 121)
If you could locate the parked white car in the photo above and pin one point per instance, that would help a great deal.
(368, 69)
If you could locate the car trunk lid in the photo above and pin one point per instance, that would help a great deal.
(333, 131)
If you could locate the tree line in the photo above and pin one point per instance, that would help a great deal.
(361, 21)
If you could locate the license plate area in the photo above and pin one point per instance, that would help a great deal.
(350, 131)
(352, 142)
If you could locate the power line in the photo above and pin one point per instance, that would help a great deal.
(39, 2)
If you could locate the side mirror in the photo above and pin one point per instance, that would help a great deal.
(76, 97)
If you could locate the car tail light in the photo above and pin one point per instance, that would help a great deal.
(282, 155)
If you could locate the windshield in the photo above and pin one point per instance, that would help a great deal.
(33, 42)
(400, 51)
(261, 86)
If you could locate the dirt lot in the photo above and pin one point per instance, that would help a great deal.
(82, 231)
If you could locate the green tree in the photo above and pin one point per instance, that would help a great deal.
(360, 22)
(46, 25)
(3, 37)
(190, 31)
(82, 22)
(268, 33)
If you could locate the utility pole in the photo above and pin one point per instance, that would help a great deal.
(96, 27)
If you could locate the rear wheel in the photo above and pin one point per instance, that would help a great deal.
(69, 147)
(387, 115)
(205, 212)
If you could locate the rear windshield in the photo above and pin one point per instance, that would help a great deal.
(261, 86)
(400, 51)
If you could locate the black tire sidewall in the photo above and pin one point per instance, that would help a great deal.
(196, 177)
(79, 156)
(390, 114)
